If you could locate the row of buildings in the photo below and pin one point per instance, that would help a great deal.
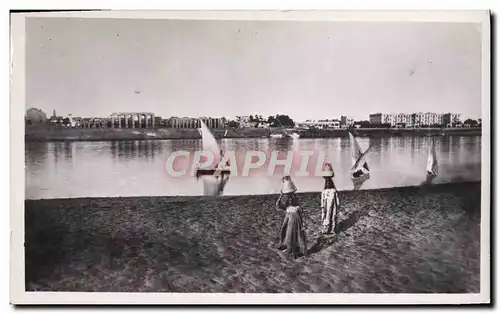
(342, 123)
(190, 123)
(420, 119)
(150, 120)
(131, 120)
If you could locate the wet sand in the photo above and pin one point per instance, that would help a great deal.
(403, 240)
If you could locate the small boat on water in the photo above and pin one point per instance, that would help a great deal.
(277, 135)
(214, 177)
(286, 134)
(360, 172)
(295, 135)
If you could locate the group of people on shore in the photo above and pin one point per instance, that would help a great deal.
(292, 234)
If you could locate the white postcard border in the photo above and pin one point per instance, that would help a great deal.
(17, 80)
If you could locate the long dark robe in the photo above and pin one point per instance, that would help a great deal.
(292, 235)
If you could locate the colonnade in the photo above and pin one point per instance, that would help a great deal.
(132, 120)
(192, 123)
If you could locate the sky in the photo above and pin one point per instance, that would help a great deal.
(308, 70)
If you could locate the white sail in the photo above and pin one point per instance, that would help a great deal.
(209, 143)
(213, 184)
(360, 172)
(432, 166)
(355, 149)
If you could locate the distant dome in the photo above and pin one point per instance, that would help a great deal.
(36, 115)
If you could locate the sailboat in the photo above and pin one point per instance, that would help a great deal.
(432, 166)
(286, 134)
(276, 135)
(214, 177)
(360, 172)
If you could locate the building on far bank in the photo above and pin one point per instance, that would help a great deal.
(346, 122)
(194, 123)
(158, 121)
(55, 119)
(132, 120)
(214, 123)
(75, 122)
(244, 122)
(408, 120)
(419, 119)
(94, 122)
(451, 119)
(320, 124)
(403, 120)
(382, 118)
(427, 119)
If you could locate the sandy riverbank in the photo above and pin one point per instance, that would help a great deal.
(37, 133)
(408, 240)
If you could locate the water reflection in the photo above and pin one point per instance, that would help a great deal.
(127, 150)
(36, 153)
(62, 151)
(133, 168)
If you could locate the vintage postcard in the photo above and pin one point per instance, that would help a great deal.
(250, 157)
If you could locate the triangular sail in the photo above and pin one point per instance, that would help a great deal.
(357, 155)
(360, 172)
(213, 183)
(355, 148)
(209, 143)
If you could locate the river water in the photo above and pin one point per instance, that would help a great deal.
(137, 168)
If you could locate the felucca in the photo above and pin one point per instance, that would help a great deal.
(360, 172)
(214, 177)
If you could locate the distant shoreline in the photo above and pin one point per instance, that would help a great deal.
(36, 133)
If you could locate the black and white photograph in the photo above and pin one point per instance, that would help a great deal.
(250, 157)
